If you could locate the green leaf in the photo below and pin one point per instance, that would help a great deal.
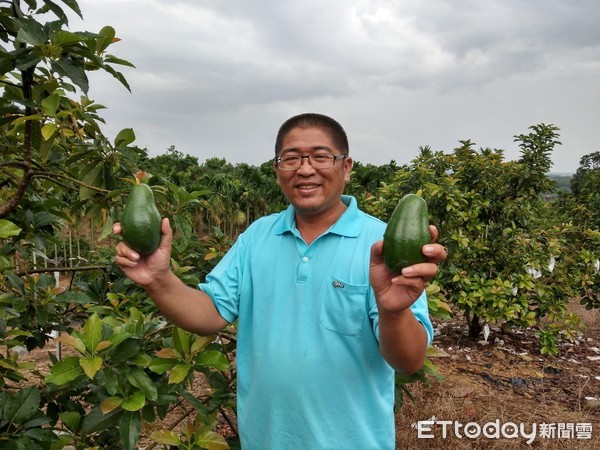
(22, 406)
(8, 229)
(179, 373)
(114, 60)
(31, 32)
(74, 6)
(166, 437)
(96, 420)
(135, 402)
(130, 429)
(55, 9)
(67, 369)
(91, 365)
(71, 419)
(213, 358)
(106, 229)
(50, 104)
(92, 332)
(212, 441)
(111, 403)
(108, 379)
(126, 350)
(67, 68)
(193, 401)
(182, 341)
(118, 75)
(140, 379)
(23, 119)
(48, 131)
(60, 442)
(162, 365)
(63, 37)
(27, 60)
(106, 37)
(200, 343)
(125, 137)
(72, 341)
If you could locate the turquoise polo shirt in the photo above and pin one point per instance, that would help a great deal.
(309, 371)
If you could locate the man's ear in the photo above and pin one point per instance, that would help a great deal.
(276, 172)
(347, 168)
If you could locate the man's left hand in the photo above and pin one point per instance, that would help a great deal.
(396, 292)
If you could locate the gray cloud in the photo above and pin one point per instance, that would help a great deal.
(216, 78)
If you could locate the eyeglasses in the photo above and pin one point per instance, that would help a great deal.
(323, 160)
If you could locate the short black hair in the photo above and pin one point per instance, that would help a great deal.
(316, 120)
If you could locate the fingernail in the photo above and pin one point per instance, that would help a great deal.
(407, 270)
(428, 249)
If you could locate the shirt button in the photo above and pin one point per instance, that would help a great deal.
(305, 259)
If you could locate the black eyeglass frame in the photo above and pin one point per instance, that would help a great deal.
(334, 158)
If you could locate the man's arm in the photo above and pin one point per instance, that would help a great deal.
(187, 307)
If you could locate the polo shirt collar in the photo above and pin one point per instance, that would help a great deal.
(349, 224)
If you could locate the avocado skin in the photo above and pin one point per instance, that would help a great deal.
(140, 222)
(406, 233)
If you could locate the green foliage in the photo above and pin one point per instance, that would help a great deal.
(424, 375)
(585, 186)
(512, 257)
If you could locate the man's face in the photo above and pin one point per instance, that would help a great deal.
(311, 191)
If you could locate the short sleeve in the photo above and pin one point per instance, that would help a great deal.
(223, 283)
(419, 308)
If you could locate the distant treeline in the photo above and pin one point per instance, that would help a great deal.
(562, 181)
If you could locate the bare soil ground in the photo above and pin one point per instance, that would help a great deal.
(507, 381)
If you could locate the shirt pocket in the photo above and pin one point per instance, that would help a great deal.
(343, 306)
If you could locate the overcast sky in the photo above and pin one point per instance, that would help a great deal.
(218, 77)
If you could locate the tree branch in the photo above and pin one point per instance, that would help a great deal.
(27, 77)
(61, 269)
(20, 164)
(50, 176)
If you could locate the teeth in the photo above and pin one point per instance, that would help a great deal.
(311, 186)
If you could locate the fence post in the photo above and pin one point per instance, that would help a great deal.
(56, 333)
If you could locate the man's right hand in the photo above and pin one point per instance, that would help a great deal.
(145, 269)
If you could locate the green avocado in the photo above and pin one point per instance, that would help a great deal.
(406, 233)
(141, 222)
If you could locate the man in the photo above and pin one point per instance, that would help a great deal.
(322, 322)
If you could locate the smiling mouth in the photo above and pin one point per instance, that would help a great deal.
(307, 187)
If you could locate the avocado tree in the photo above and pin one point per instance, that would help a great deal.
(585, 186)
(508, 264)
(128, 366)
(580, 219)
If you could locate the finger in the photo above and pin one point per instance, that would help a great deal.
(167, 234)
(415, 283)
(377, 248)
(433, 231)
(125, 262)
(376, 253)
(435, 252)
(116, 228)
(425, 270)
(124, 251)
(125, 257)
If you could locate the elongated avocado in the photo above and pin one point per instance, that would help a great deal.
(140, 222)
(406, 233)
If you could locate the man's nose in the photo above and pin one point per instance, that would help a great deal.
(305, 164)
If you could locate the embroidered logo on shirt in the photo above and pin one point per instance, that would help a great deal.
(337, 284)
